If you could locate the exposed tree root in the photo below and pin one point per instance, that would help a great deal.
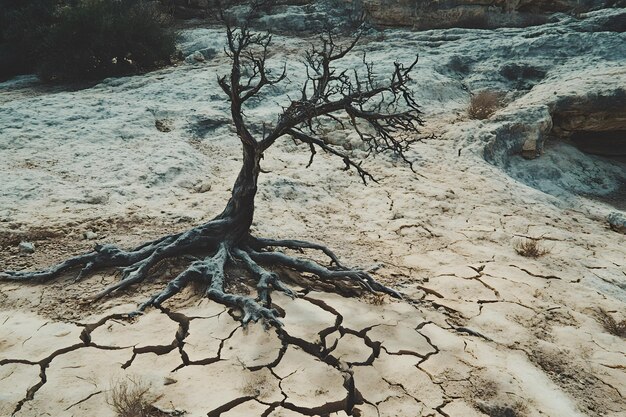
(252, 253)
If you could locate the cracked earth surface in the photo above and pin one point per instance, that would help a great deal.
(499, 334)
(482, 330)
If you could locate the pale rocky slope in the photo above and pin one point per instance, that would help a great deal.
(304, 15)
(482, 330)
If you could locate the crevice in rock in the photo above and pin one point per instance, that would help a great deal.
(472, 333)
(157, 349)
(390, 200)
(354, 397)
(439, 408)
(281, 353)
(269, 410)
(218, 357)
(107, 347)
(604, 143)
(322, 410)
(228, 406)
(43, 364)
(23, 361)
(429, 354)
(325, 307)
(489, 287)
(403, 352)
(448, 309)
(88, 328)
(130, 361)
(535, 275)
(429, 291)
(417, 226)
(84, 399)
(375, 346)
(399, 385)
(481, 302)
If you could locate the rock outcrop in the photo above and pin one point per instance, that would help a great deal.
(303, 15)
(422, 14)
(595, 123)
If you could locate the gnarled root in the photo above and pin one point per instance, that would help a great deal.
(252, 253)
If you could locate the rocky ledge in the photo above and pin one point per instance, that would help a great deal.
(415, 14)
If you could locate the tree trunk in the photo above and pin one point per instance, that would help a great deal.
(239, 210)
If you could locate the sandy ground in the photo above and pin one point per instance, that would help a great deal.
(482, 330)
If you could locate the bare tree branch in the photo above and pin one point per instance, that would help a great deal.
(329, 149)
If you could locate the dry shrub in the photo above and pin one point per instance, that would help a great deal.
(376, 299)
(610, 324)
(530, 248)
(131, 397)
(254, 384)
(484, 104)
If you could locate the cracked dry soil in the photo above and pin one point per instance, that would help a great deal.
(482, 331)
(464, 343)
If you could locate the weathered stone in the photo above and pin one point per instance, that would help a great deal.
(417, 14)
(26, 247)
(89, 235)
(617, 221)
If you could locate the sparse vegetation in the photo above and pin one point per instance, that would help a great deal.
(131, 397)
(67, 40)
(610, 324)
(484, 104)
(375, 299)
(22, 26)
(531, 248)
(254, 384)
(99, 38)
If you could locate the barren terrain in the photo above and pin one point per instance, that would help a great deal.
(482, 330)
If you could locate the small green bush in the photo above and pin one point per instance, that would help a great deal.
(101, 38)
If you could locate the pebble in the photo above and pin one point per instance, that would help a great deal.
(198, 56)
(89, 235)
(26, 247)
(617, 221)
(203, 187)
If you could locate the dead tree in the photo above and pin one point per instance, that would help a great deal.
(386, 118)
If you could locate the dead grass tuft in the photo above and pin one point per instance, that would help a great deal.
(484, 104)
(531, 248)
(131, 397)
(610, 324)
(376, 299)
(254, 384)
